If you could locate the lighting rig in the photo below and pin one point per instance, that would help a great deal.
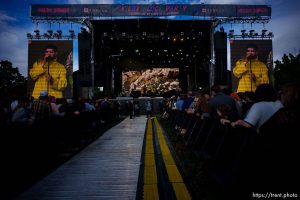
(180, 37)
(244, 34)
(251, 34)
(50, 35)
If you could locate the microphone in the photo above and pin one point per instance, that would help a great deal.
(47, 59)
(250, 57)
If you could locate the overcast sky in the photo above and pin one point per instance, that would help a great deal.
(15, 23)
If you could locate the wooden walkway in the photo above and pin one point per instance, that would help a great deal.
(106, 169)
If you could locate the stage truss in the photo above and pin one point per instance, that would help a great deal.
(83, 14)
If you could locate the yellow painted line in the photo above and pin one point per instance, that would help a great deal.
(181, 191)
(150, 174)
(174, 175)
(168, 159)
(149, 149)
(150, 192)
(149, 159)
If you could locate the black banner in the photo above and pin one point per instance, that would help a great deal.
(115, 10)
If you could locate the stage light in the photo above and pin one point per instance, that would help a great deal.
(251, 32)
(243, 31)
(72, 34)
(231, 33)
(263, 32)
(58, 34)
(270, 34)
(50, 32)
(37, 34)
(29, 36)
(55, 35)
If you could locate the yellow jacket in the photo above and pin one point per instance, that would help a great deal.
(241, 71)
(58, 81)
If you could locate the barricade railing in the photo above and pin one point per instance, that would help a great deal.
(224, 150)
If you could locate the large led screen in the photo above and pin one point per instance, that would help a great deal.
(50, 68)
(155, 80)
(244, 61)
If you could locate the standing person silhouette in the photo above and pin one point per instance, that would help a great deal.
(149, 108)
(250, 71)
(49, 75)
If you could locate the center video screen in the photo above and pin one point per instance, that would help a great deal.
(155, 80)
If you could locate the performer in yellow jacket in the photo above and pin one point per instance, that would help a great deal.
(250, 71)
(49, 74)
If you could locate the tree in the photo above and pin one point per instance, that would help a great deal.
(12, 83)
(287, 70)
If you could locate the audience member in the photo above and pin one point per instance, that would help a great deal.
(278, 146)
(218, 98)
(267, 104)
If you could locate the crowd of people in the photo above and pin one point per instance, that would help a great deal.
(261, 126)
(26, 111)
(273, 115)
(40, 134)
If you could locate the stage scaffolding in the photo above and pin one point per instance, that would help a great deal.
(84, 14)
